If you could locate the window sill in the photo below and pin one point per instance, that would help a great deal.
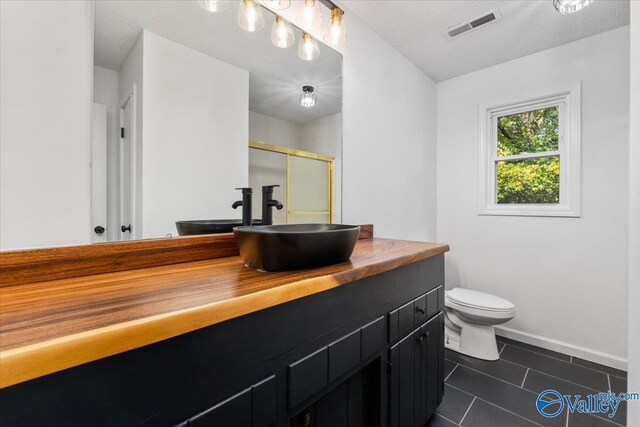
(530, 210)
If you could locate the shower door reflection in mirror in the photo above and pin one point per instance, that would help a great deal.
(306, 182)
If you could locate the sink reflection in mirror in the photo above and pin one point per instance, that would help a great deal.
(179, 93)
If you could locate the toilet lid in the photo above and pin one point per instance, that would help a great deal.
(479, 300)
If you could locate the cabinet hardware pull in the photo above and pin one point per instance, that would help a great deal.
(420, 310)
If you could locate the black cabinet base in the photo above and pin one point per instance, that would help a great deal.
(184, 379)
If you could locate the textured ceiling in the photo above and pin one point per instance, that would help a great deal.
(415, 28)
(276, 75)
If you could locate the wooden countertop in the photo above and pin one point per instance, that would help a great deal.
(49, 326)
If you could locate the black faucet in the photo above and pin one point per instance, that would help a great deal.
(245, 203)
(267, 203)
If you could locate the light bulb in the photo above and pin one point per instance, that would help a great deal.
(282, 33)
(214, 6)
(250, 16)
(307, 97)
(308, 48)
(567, 7)
(336, 34)
(277, 4)
(310, 16)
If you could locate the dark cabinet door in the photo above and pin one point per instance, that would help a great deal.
(415, 375)
(402, 382)
(430, 368)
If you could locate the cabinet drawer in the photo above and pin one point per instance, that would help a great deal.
(405, 318)
(344, 354)
(393, 320)
(420, 313)
(432, 303)
(373, 337)
(307, 376)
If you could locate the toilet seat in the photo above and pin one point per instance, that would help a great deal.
(475, 300)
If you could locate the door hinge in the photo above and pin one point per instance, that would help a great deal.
(389, 368)
(121, 132)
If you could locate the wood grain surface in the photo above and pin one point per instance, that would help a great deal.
(37, 265)
(49, 326)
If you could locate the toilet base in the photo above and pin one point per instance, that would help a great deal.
(477, 341)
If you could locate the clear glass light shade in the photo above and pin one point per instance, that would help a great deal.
(250, 16)
(336, 34)
(567, 7)
(282, 33)
(307, 97)
(277, 4)
(308, 48)
(213, 5)
(310, 15)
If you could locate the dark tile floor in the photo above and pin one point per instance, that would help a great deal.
(503, 393)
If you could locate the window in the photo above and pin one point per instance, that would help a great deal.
(530, 156)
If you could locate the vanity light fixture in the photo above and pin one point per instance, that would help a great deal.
(310, 15)
(250, 16)
(567, 7)
(335, 33)
(277, 4)
(307, 97)
(213, 6)
(308, 48)
(282, 33)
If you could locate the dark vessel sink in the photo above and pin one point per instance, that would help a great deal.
(209, 226)
(295, 246)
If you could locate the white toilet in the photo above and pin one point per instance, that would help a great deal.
(469, 319)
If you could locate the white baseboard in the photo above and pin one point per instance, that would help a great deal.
(562, 347)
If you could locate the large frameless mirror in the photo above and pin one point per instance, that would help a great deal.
(189, 105)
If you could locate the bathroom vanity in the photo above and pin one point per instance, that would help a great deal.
(212, 343)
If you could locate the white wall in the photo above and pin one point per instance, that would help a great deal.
(389, 139)
(105, 92)
(195, 136)
(633, 409)
(45, 123)
(566, 276)
(275, 131)
(324, 136)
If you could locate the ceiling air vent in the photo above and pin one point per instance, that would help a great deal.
(472, 24)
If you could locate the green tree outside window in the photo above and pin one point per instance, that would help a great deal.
(534, 180)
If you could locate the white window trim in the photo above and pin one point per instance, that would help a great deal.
(568, 99)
